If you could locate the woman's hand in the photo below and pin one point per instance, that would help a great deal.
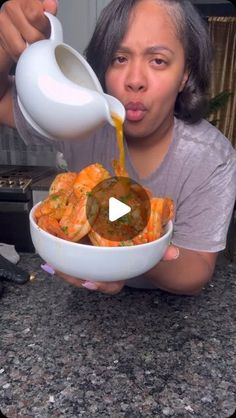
(111, 288)
(23, 21)
(172, 253)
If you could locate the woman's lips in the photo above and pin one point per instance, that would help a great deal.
(135, 111)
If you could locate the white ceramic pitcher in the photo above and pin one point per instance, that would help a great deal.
(58, 92)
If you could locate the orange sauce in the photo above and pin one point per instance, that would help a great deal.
(119, 165)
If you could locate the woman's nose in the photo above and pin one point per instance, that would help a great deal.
(136, 78)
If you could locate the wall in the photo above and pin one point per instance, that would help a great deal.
(78, 18)
(13, 150)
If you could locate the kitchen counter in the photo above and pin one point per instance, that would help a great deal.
(67, 352)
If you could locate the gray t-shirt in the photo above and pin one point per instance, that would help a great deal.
(198, 173)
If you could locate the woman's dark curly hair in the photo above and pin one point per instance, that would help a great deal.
(191, 29)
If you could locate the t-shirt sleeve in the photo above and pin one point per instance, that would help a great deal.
(204, 213)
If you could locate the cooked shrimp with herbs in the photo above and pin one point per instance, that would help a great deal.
(64, 212)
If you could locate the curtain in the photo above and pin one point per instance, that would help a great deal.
(223, 36)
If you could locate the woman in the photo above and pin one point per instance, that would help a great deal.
(154, 56)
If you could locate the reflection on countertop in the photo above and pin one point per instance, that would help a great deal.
(67, 352)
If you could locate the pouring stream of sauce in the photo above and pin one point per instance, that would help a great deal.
(119, 165)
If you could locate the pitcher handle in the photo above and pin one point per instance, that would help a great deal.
(56, 28)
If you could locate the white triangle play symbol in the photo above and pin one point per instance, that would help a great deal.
(117, 209)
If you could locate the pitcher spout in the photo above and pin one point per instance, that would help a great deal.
(115, 108)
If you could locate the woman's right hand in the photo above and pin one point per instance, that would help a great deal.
(22, 21)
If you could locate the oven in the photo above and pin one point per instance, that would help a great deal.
(16, 201)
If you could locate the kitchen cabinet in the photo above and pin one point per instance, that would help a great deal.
(78, 18)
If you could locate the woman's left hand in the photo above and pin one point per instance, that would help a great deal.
(110, 288)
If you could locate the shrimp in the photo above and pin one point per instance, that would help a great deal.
(88, 178)
(100, 241)
(168, 209)
(72, 212)
(59, 192)
(68, 200)
(63, 182)
(103, 234)
(162, 210)
(51, 225)
(53, 205)
(74, 223)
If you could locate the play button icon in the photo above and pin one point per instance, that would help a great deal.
(117, 209)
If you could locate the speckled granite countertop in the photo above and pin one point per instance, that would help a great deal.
(71, 353)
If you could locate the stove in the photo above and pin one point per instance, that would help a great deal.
(16, 181)
(16, 201)
(14, 185)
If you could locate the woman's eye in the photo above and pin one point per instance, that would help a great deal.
(119, 59)
(159, 61)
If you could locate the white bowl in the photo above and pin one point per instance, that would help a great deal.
(98, 263)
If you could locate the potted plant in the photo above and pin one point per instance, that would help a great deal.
(216, 103)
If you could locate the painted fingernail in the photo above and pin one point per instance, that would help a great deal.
(48, 269)
(90, 285)
(176, 253)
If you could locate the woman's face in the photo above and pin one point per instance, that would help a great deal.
(148, 70)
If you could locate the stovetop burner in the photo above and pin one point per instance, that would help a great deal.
(18, 179)
(12, 184)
